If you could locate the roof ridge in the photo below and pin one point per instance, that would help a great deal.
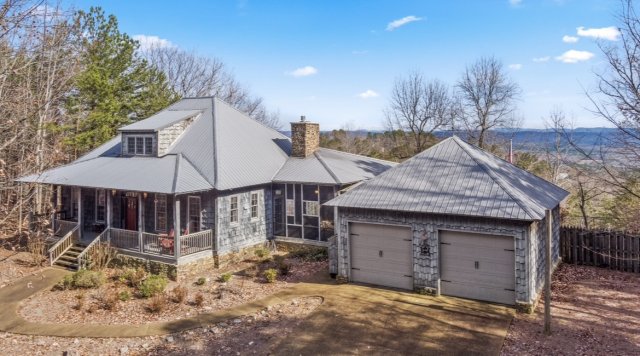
(214, 98)
(355, 154)
(175, 176)
(326, 166)
(214, 146)
(496, 178)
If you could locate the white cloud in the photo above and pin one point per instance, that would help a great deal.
(569, 39)
(367, 94)
(542, 59)
(303, 71)
(401, 22)
(515, 2)
(573, 56)
(148, 42)
(515, 66)
(610, 33)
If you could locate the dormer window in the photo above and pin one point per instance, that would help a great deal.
(139, 145)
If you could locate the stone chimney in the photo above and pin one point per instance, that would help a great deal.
(305, 138)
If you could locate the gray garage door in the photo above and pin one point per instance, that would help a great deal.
(477, 266)
(382, 255)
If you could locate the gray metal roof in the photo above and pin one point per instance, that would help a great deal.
(327, 166)
(171, 174)
(223, 147)
(456, 178)
(160, 120)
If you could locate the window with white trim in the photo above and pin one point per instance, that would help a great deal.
(160, 204)
(254, 205)
(233, 209)
(140, 145)
(194, 212)
(101, 203)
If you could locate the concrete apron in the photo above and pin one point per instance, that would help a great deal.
(12, 295)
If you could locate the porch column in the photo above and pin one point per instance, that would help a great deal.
(80, 225)
(109, 213)
(176, 226)
(140, 222)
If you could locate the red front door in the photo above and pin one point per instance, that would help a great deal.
(131, 214)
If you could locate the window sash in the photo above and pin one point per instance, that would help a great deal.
(194, 211)
(254, 205)
(160, 203)
(100, 205)
(140, 145)
(233, 211)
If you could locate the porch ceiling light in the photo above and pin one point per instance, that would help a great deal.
(144, 195)
(113, 192)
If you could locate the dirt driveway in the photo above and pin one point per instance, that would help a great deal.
(358, 319)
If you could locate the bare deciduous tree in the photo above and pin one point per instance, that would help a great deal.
(617, 100)
(419, 107)
(488, 98)
(192, 75)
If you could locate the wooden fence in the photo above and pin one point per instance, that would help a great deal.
(610, 249)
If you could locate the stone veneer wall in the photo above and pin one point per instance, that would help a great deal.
(168, 135)
(425, 234)
(305, 138)
(538, 242)
(247, 232)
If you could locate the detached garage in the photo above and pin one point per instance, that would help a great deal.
(453, 220)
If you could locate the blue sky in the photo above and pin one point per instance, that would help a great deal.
(347, 55)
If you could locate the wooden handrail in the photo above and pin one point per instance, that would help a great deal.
(60, 247)
(82, 260)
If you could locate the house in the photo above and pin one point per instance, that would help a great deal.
(452, 220)
(197, 180)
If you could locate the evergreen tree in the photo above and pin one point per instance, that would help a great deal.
(115, 86)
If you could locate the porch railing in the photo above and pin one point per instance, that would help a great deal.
(65, 243)
(85, 256)
(155, 244)
(62, 227)
(196, 242)
(124, 239)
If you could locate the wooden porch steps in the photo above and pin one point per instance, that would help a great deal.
(69, 260)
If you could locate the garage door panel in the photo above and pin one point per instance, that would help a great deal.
(477, 266)
(389, 269)
(489, 293)
(382, 278)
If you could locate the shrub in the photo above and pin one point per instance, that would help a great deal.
(101, 255)
(201, 281)
(226, 277)
(270, 275)
(80, 298)
(110, 300)
(37, 249)
(179, 294)
(124, 295)
(311, 254)
(157, 303)
(153, 285)
(284, 268)
(82, 279)
(199, 299)
(262, 252)
(133, 277)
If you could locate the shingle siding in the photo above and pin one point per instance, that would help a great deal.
(246, 232)
(168, 135)
(538, 243)
(425, 229)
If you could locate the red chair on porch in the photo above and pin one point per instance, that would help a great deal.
(167, 243)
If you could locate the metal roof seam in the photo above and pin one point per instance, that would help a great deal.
(215, 140)
(175, 175)
(324, 164)
(498, 181)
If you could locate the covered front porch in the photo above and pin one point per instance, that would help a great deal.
(164, 227)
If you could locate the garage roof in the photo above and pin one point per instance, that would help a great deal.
(454, 177)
